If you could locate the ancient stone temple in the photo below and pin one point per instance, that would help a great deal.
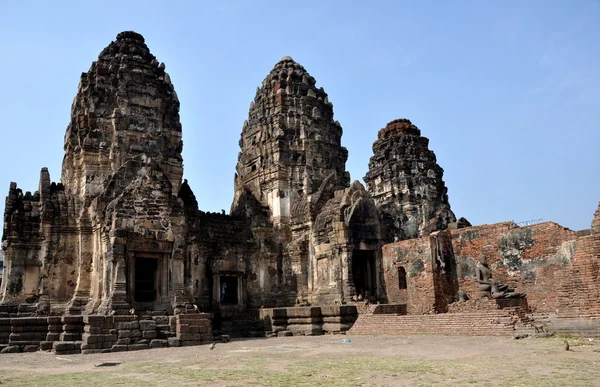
(121, 241)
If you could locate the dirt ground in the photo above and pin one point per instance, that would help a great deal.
(324, 361)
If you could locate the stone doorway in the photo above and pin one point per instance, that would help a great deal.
(229, 290)
(145, 284)
(363, 272)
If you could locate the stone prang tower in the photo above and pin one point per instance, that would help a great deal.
(290, 143)
(111, 234)
(406, 183)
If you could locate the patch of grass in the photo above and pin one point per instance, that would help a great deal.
(541, 364)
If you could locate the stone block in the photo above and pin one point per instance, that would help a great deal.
(124, 341)
(70, 336)
(94, 320)
(75, 320)
(119, 348)
(119, 319)
(92, 330)
(89, 338)
(30, 348)
(54, 320)
(174, 342)
(52, 336)
(133, 333)
(128, 325)
(147, 325)
(11, 349)
(72, 328)
(189, 336)
(22, 343)
(46, 345)
(161, 320)
(62, 346)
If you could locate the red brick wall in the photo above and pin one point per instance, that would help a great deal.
(486, 305)
(537, 253)
(494, 323)
(415, 256)
(558, 269)
(579, 290)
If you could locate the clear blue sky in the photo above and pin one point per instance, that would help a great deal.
(507, 92)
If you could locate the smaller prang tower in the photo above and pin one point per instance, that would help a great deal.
(406, 183)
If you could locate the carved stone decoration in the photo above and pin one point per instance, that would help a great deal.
(406, 183)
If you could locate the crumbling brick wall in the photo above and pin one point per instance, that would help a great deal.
(526, 258)
(421, 273)
(414, 256)
(554, 266)
(578, 293)
(491, 323)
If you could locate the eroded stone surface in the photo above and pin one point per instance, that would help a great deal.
(406, 182)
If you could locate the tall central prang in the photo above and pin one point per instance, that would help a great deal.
(290, 143)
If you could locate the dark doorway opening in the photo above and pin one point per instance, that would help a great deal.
(229, 290)
(363, 272)
(402, 278)
(145, 279)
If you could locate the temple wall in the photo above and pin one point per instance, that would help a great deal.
(579, 291)
(526, 258)
(412, 258)
(60, 267)
(554, 266)
(488, 323)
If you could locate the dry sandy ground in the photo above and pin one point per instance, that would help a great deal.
(326, 361)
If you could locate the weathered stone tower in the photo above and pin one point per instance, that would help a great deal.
(125, 107)
(406, 183)
(320, 235)
(111, 236)
(290, 143)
